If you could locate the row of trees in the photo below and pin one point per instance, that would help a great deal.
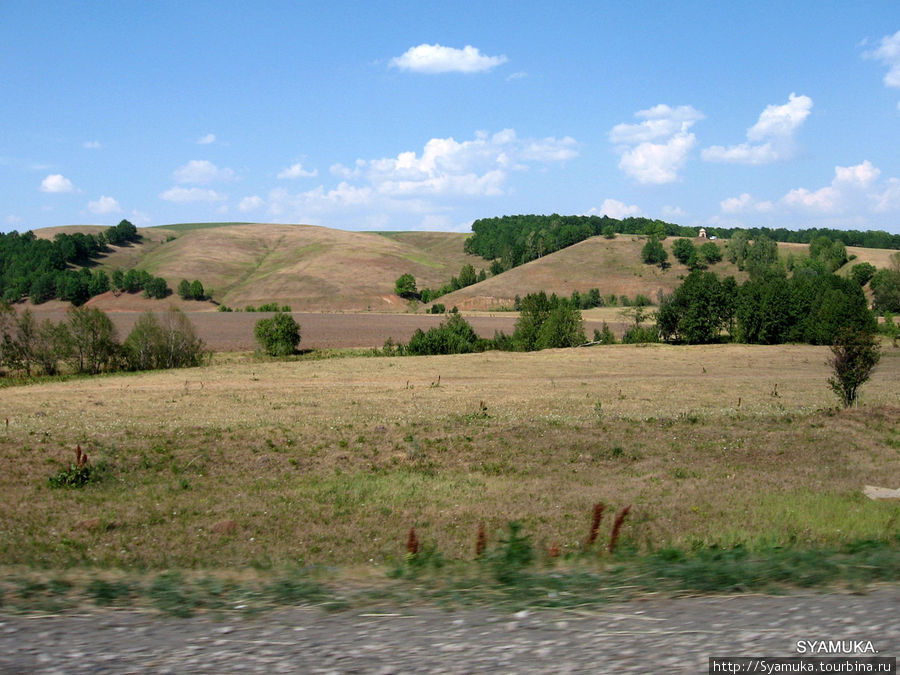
(41, 268)
(87, 342)
(808, 307)
(405, 286)
(513, 240)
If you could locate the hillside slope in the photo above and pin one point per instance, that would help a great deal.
(307, 267)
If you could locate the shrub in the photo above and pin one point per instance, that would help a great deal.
(855, 355)
(453, 336)
(278, 335)
(653, 253)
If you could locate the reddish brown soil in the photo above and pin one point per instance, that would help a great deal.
(233, 331)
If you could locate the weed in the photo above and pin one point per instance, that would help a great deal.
(78, 474)
(514, 554)
(105, 592)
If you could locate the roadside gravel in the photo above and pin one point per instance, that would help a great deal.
(655, 635)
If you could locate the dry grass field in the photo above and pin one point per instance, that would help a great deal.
(332, 460)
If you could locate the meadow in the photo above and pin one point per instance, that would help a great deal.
(261, 464)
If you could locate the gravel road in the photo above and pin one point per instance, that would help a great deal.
(656, 635)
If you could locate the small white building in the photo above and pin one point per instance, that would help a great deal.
(702, 234)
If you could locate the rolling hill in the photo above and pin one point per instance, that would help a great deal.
(315, 268)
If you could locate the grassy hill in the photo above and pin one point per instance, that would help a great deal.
(320, 269)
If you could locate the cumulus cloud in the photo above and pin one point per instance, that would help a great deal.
(297, 171)
(888, 52)
(207, 139)
(428, 182)
(849, 185)
(201, 172)
(104, 205)
(434, 59)
(771, 139)
(253, 203)
(56, 183)
(655, 149)
(744, 203)
(615, 209)
(183, 195)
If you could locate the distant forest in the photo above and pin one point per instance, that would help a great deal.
(43, 269)
(513, 240)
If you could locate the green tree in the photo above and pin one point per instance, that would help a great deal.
(885, 285)
(562, 328)
(534, 309)
(184, 290)
(197, 290)
(698, 310)
(278, 335)
(683, 250)
(142, 347)
(862, 273)
(94, 340)
(710, 252)
(654, 253)
(854, 356)
(737, 248)
(405, 287)
(761, 256)
(156, 288)
(467, 276)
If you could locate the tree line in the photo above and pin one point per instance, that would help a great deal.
(510, 241)
(44, 269)
(87, 342)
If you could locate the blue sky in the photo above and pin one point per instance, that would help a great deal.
(428, 115)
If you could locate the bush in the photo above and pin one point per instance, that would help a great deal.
(278, 335)
(653, 253)
(453, 336)
(855, 355)
(170, 343)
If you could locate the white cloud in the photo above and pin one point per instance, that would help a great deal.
(660, 121)
(201, 171)
(745, 203)
(183, 195)
(781, 120)
(654, 150)
(773, 135)
(297, 171)
(415, 185)
(673, 212)
(516, 76)
(615, 209)
(657, 162)
(888, 52)
(104, 205)
(207, 139)
(250, 204)
(852, 188)
(433, 59)
(57, 184)
(91, 145)
(140, 218)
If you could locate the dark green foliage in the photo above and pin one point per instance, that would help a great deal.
(534, 309)
(514, 240)
(405, 287)
(197, 290)
(278, 335)
(854, 356)
(605, 336)
(683, 250)
(562, 328)
(453, 336)
(438, 308)
(862, 273)
(698, 310)
(512, 556)
(654, 253)
(156, 288)
(184, 290)
(710, 253)
(832, 253)
(761, 257)
(885, 285)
